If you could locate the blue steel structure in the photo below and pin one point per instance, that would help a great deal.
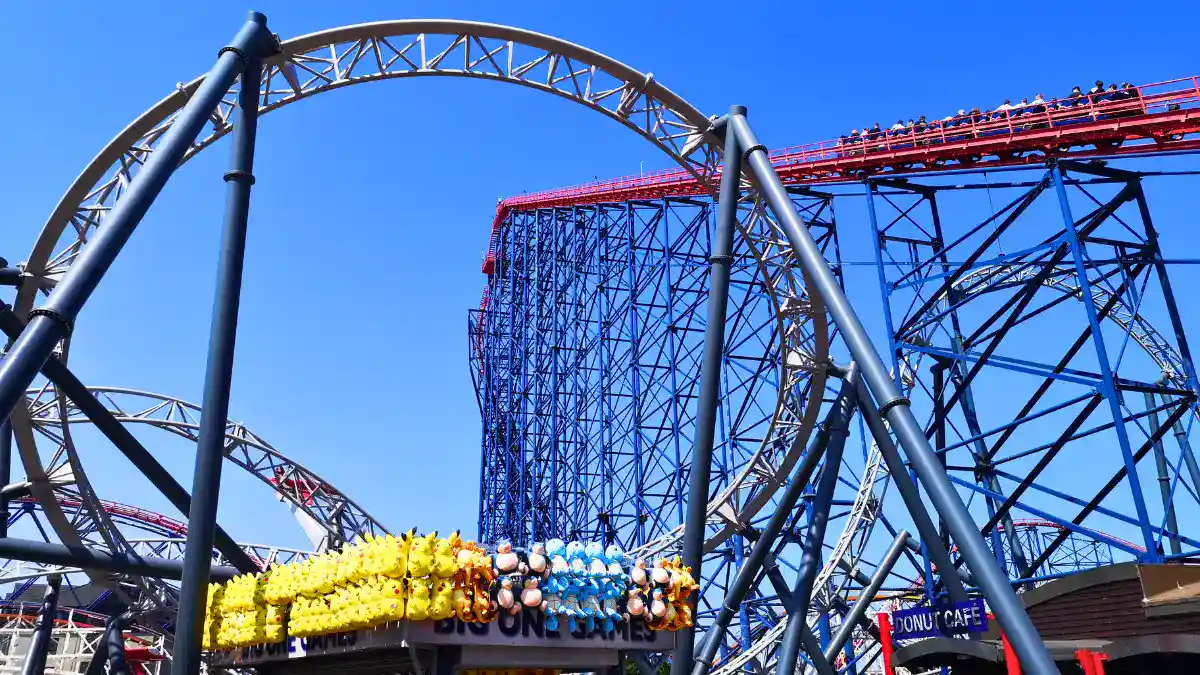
(586, 352)
(586, 357)
(982, 277)
(998, 306)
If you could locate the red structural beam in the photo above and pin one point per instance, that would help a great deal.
(1159, 118)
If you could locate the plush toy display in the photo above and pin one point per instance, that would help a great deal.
(638, 575)
(375, 580)
(420, 555)
(506, 560)
(538, 565)
(531, 594)
(656, 616)
(442, 605)
(419, 590)
(505, 597)
(444, 556)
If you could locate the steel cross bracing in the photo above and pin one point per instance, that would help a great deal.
(314, 64)
(1075, 554)
(319, 501)
(75, 638)
(145, 532)
(587, 394)
(588, 352)
(1000, 307)
(1128, 301)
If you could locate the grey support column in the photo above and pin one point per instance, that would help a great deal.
(53, 321)
(39, 645)
(1164, 477)
(749, 571)
(814, 539)
(895, 408)
(85, 557)
(6, 438)
(210, 444)
(114, 643)
(911, 497)
(710, 384)
(864, 601)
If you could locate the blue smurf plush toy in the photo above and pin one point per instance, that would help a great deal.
(597, 565)
(556, 554)
(576, 583)
(556, 583)
(616, 581)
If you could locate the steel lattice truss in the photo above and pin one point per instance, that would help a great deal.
(307, 66)
(585, 353)
(301, 487)
(74, 640)
(77, 516)
(585, 356)
(1060, 320)
(147, 538)
(990, 313)
(586, 364)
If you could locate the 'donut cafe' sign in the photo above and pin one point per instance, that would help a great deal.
(939, 620)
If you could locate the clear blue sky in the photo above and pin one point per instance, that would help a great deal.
(373, 204)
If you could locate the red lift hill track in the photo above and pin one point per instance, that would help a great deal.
(1162, 117)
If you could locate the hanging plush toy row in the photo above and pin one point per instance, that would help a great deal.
(378, 580)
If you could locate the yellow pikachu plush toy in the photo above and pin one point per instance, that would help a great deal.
(442, 605)
(276, 620)
(394, 597)
(393, 554)
(420, 555)
(419, 589)
(444, 552)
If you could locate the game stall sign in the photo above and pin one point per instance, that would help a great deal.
(940, 620)
(526, 629)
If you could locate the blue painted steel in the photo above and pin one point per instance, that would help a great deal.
(884, 287)
(622, 457)
(1107, 387)
(218, 374)
(636, 291)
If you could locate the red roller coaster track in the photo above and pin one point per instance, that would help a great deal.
(126, 512)
(1159, 119)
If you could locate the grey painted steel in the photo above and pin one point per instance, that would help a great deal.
(986, 570)
(39, 645)
(114, 645)
(1164, 477)
(710, 384)
(859, 610)
(218, 376)
(5, 471)
(1185, 447)
(754, 562)
(814, 538)
(94, 559)
(100, 657)
(930, 538)
(58, 373)
(811, 647)
(53, 321)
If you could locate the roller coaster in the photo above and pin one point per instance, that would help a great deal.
(1015, 253)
